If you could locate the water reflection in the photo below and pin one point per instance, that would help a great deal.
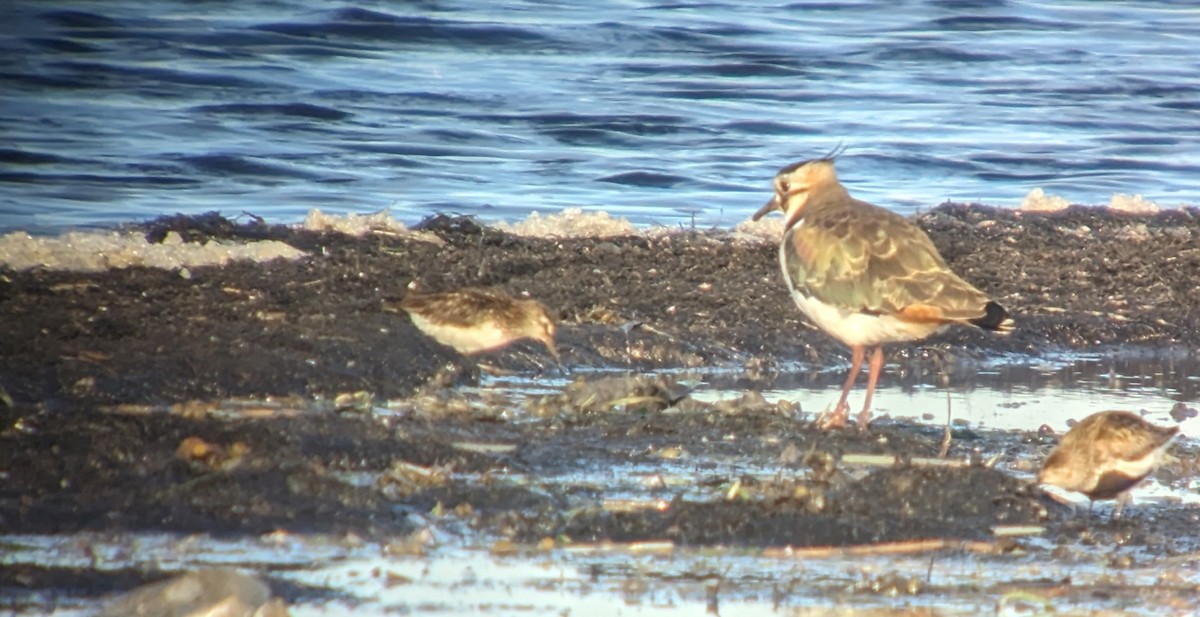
(1006, 393)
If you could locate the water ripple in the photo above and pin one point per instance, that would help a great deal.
(371, 26)
(645, 178)
(114, 111)
(299, 110)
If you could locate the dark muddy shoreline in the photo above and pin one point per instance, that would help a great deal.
(1082, 279)
(111, 373)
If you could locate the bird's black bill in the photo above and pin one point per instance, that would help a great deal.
(767, 208)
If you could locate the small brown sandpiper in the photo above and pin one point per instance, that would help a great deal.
(476, 320)
(866, 275)
(1106, 454)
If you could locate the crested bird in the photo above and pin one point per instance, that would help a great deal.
(1106, 454)
(866, 275)
(475, 320)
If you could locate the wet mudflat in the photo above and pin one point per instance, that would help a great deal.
(275, 415)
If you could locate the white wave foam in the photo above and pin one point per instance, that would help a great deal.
(1038, 201)
(94, 251)
(1132, 203)
(354, 224)
(571, 222)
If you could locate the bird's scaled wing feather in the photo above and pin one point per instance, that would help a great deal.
(876, 265)
(462, 308)
(1123, 437)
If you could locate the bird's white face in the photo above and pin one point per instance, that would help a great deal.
(795, 189)
(794, 185)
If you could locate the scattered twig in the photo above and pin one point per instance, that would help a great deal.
(1008, 531)
(635, 505)
(887, 460)
(484, 448)
(635, 400)
(944, 449)
(650, 546)
(882, 548)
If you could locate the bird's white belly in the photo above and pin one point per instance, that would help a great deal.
(1138, 467)
(484, 336)
(858, 328)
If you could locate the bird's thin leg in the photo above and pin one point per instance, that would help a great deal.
(1122, 500)
(837, 419)
(873, 376)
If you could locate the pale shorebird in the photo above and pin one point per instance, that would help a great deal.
(866, 275)
(476, 320)
(1107, 454)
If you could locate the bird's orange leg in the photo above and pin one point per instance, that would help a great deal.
(872, 376)
(841, 413)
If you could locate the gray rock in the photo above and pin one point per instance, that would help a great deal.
(204, 593)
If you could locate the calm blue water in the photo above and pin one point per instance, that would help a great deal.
(660, 112)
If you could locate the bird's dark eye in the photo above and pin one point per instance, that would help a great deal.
(784, 185)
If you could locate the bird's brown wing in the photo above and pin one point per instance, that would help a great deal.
(869, 259)
(463, 307)
(1127, 436)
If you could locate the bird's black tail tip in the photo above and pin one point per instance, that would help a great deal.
(994, 318)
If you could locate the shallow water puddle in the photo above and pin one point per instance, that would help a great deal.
(1024, 395)
(1017, 408)
(1015, 393)
(594, 580)
(455, 573)
(1011, 394)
